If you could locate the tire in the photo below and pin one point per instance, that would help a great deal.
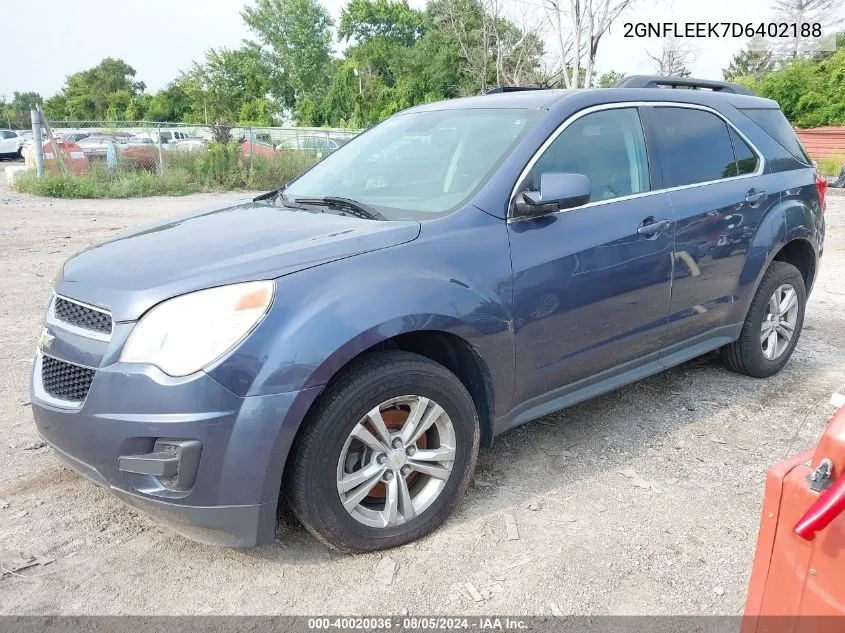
(312, 484)
(747, 354)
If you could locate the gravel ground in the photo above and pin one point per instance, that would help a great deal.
(643, 501)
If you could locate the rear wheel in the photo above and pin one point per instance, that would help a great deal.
(385, 455)
(772, 326)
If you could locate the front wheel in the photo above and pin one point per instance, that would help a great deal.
(772, 326)
(385, 455)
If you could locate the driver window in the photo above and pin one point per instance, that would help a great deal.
(607, 146)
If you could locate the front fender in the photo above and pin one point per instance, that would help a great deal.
(454, 278)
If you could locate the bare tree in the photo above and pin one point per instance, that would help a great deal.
(519, 46)
(493, 40)
(475, 36)
(579, 26)
(673, 59)
(823, 12)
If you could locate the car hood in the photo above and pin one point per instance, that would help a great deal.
(243, 242)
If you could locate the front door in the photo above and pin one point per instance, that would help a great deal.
(592, 284)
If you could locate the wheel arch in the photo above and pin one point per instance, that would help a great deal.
(446, 348)
(800, 253)
(785, 233)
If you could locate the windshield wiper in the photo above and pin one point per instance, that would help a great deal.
(353, 207)
(270, 194)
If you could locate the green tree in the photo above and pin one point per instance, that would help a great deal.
(16, 112)
(610, 79)
(168, 104)
(25, 101)
(229, 87)
(754, 61)
(55, 108)
(100, 92)
(810, 93)
(398, 58)
(364, 20)
(297, 39)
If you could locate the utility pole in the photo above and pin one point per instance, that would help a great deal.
(37, 146)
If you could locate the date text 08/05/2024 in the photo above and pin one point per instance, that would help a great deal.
(421, 623)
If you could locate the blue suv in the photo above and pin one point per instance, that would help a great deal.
(343, 345)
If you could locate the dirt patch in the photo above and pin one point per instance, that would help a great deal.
(645, 500)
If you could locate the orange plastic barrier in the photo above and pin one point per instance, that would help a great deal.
(75, 159)
(799, 565)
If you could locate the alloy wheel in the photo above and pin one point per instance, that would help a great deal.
(396, 461)
(779, 322)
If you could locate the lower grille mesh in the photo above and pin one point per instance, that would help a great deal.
(65, 381)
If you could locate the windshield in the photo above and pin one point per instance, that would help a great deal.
(418, 165)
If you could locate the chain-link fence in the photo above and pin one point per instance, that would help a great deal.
(222, 155)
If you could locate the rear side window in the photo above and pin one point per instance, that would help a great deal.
(746, 159)
(774, 123)
(694, 146)
(608, 147)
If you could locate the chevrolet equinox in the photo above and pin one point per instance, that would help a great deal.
(345, 344)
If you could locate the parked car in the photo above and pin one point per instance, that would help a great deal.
(316, 143)
(10, 144)
(29, 143)
(96, 145)
(169, 136)
(253, 148)
(346, 342)
(190, 144)
(75, 137)
(138, 152)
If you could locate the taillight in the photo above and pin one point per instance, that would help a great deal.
(821, 186)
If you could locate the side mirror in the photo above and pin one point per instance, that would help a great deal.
(557, 191)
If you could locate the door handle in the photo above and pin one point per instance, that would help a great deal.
(755, 195)
(651, 227)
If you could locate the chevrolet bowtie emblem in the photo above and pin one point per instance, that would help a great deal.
(45, 339)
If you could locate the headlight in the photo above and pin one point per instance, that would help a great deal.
(185, 334)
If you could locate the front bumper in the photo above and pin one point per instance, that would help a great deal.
(234, 492)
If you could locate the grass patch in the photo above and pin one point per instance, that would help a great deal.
(219, 168)
(831, 165)
(98, 183)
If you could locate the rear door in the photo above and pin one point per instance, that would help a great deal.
(591, 284)
(713, 176)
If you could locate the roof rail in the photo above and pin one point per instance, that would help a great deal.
(656, 81)
(499, 89)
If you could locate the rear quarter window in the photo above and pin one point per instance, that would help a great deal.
(774, 123)
(746, 160)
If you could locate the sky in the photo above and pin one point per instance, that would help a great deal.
(161, 37)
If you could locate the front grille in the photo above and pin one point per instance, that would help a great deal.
(65, 381)
(82, 316)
